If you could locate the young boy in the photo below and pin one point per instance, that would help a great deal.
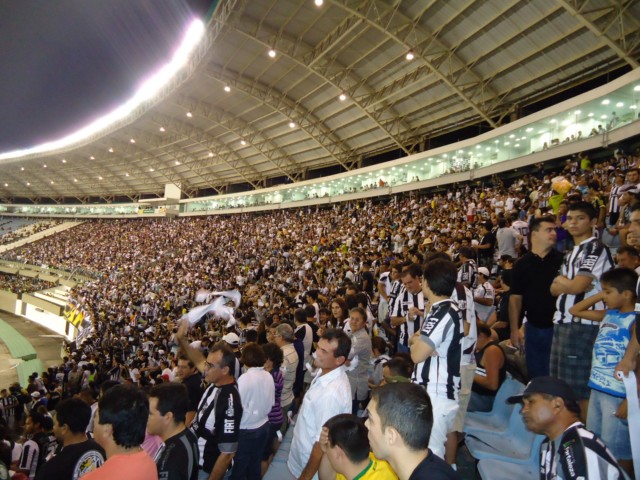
(607, 405)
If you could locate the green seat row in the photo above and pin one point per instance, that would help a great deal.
(19, 346)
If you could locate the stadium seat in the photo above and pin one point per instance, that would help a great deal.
(492, 469)
(498, 418)
(515, 445)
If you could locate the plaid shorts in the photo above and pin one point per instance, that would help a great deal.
(571, 353)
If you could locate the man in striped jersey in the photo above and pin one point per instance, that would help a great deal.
(8, 406)
(408, 307)
(436, 349)
(573, 337)
(571, 451)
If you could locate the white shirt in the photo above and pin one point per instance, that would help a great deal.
(258, 394)
(328, 396)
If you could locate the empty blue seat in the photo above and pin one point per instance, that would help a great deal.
(492, 469)
(498, 418)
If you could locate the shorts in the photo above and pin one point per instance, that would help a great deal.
(571, 352)
(613, 431)
(444, 413)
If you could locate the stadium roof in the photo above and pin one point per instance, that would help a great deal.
(276, 88)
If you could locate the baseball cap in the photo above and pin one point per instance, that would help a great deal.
(35, 394)
(548, 385)
(484, 271)
(231, 338)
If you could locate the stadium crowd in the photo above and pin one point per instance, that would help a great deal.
(346, 311)
(19, 284)
(8, 234)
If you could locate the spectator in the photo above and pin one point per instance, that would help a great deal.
(616, 325)
(437, 349)
(257, 394)
(217, 421)
(329, 394)
(79, 454)
(347, 454)
(573, 340)
(189, 375)
(283, 338)
(550, 408)
(408, 307)
(361, 348)
(273, 364)
(490, 371)
(178, 457)
(119, 428)
(531, 297)
(484, 296)
(399, 423)
(37, 446)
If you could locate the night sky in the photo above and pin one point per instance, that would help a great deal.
(64, 63)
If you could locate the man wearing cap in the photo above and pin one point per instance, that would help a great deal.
(484, 295)
(551, 408)
(233, 342)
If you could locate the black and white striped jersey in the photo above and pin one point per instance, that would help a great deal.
(591, 258)
(443, 330)
(401, 305)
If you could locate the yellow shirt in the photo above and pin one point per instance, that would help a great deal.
(376, 470)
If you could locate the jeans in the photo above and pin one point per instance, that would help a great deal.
(537, 350)
(601, 421)
(251, 443)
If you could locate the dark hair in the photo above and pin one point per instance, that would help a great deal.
(126, 409)
(344, 342)
(37, 418)
(313, 294)
(184, 358)
(253, 356)
(324, 310)
(309, 311)
(74, 413)
(107, 385)
(407, 408)
(228, 357)
(534, 224)
(584, 207)
(172, 397)
(300, 316)
(362, 298)
(399, 367)
(621, 279)
(442, 256)
(412, 269)
(379, 344)
(274, 353)
(484, 329)
(466, 252)
(251, 336)
(629, 250)
(441, 277)
(634, 207)
(349, 433)
(350, 301)
(502, 223)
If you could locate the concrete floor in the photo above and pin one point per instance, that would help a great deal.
(48, 346)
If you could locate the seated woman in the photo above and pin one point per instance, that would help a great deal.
(490, 371)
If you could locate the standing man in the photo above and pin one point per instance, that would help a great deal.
(400, 422)
(329, 394)
(79, 455)
(484, 296)
(178, 456)
(408, 307)
(119, 427)
(189, 375)
(573, 337)
(437, 349)
(531, 297)
(468, 270)
(550, 408)
(217, 421)
(34, 450)
(486, 246)
(8, 406)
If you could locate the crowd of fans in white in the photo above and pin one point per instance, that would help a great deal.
(307, 275)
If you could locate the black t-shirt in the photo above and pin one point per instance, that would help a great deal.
(194, 387)
(434, 468)
(73, 461)
(368, 276)
(178, 458)
(488, 239)
(532, 277)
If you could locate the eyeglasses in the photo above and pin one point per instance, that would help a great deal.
(208, 365)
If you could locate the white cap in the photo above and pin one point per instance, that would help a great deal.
(231, 339)
(484, 271)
